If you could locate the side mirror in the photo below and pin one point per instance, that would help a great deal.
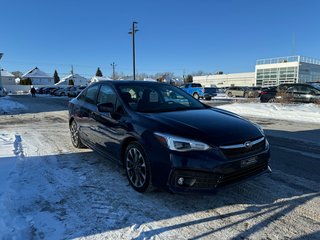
(106, 107)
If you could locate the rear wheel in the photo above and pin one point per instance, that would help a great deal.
(75, 138)
(229, 94)
(246, 95)
(196, 95)
(208, 98)
(137, 167)
(271, 100)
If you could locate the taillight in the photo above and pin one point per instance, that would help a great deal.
(263, 92)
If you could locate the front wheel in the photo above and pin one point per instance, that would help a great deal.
(137, 167)
(229, 94)
(272, 100)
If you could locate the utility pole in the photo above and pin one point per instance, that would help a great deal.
(1, 54)
(113, 68)
(132, 32)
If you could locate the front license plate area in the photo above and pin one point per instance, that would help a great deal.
(248, 162)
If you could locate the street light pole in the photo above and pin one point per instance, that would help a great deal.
(132, 32)
(113, 72)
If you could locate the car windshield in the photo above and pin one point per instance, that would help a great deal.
(157, 97)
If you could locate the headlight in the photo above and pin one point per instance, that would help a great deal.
(181, 144)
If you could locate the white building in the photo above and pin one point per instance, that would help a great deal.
(77, 80)
(292, 69)
(7, 78)
(38, 77)
(226, 80)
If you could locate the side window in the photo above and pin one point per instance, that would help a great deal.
(313, 91)
(91, 94)
(107, 95)
(304, 89)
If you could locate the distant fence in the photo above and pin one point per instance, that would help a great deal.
(22, 89)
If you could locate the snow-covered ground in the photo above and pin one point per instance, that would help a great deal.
(290, 112)
(50, 190)
(8, 105)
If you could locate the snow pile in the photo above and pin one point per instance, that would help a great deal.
(291, 112)
(9, 106)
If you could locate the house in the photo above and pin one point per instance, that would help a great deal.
(98, 79)
(7, 78)
(76, 78)
(38, 77)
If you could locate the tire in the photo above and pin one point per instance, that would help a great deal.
(137, 167)
(75, 138)
(208, 98)
(196, 96)
(229, 94)
(246, 95)
(271, 100)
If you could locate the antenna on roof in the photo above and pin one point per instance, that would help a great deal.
(72, 70)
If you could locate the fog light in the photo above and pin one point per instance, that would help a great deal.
(180, 181)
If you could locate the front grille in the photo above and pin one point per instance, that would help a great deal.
(238, 175)
(239, 150)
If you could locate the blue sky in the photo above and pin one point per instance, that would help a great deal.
(180, 36)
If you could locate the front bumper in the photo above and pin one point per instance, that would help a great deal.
(196, 175)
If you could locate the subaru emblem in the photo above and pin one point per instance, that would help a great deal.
(248, 144)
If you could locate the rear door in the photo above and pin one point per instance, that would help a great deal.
(84, 110)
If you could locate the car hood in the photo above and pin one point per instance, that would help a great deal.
(213, 126)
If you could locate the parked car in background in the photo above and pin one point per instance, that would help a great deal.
(165, 138)
(53, 90)
(75, 91)
(40, 90)
(48, 90)
(63, 91)
(3, 92)
(253, 92)
(209, 92)
(297, 92)
(237, 92)
(194, 89)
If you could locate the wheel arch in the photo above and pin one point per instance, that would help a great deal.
(71, 120)
(124, 146)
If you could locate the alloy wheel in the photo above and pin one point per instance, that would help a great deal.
(136, 168)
